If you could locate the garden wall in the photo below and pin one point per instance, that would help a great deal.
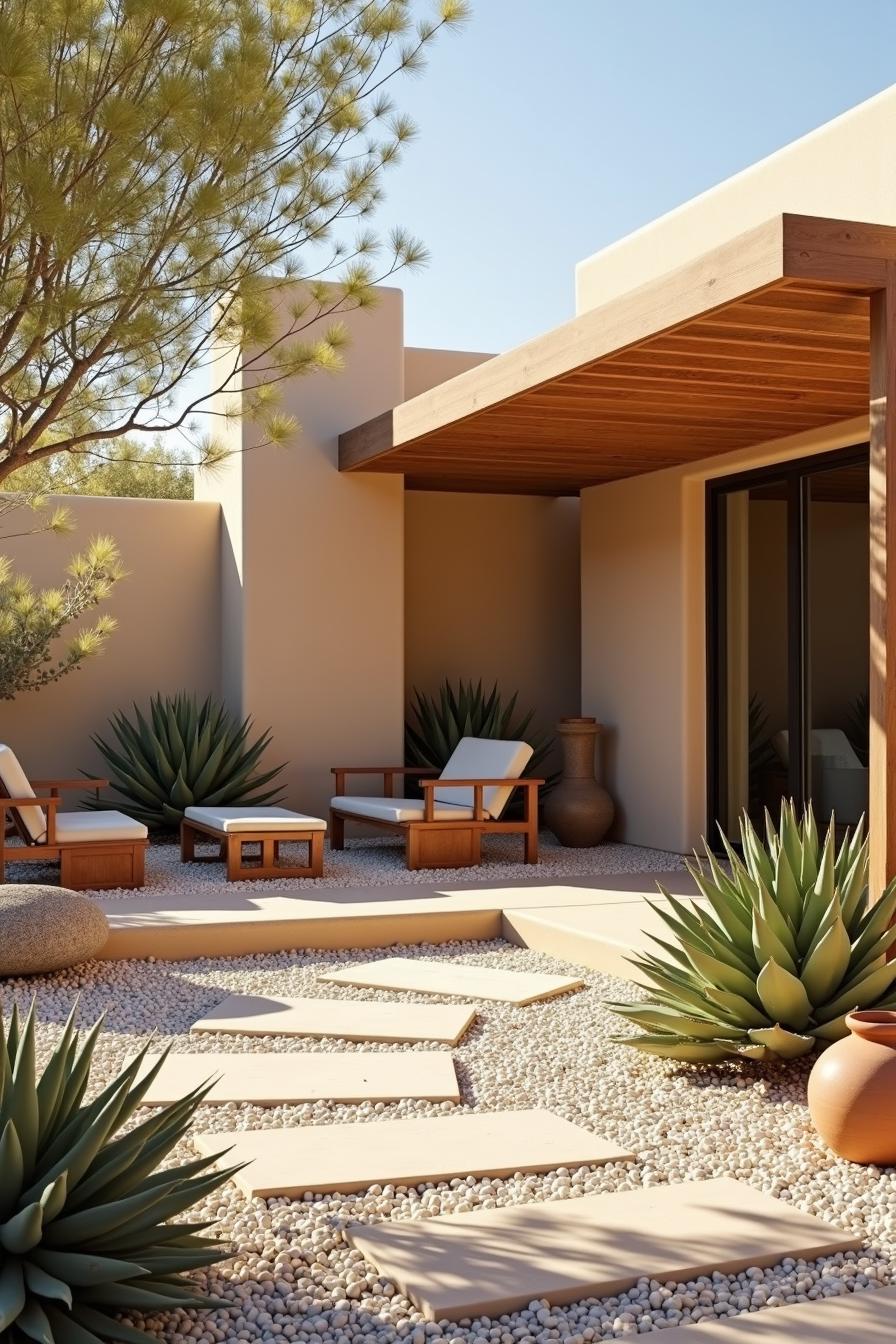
(168, 635)
(506, 608)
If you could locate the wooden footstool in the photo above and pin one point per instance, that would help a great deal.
(267, 827)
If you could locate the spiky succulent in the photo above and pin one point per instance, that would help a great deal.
(183, 754)
(783, 945)
(439, 723)
(84, 1212)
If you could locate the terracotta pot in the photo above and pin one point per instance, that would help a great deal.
(852, 1090)
(579, 810)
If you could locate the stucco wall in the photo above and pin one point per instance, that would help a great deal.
(168, 625)
(500, 599)
(643, 634)
(314, 571)
(843, 170)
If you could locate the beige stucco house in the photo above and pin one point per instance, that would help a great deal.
(658, 513)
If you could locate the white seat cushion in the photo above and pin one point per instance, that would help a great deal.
(232, 820)
(484, 758)
(16, 785)
(76, 826)
(399, 809)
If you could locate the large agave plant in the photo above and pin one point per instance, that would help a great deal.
(183, 754)
(438, 724)
(784, 945)
(84, 1212)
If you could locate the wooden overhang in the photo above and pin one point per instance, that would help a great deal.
(765, 336)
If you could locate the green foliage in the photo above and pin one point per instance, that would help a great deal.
(127, 470)
(784, 945)
(32, 620)
(464, 710)
(183, 754)
(166, 164)
(84, 1210)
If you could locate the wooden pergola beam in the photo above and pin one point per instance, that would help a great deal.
(882, 689)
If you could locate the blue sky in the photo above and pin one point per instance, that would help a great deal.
(548, 130)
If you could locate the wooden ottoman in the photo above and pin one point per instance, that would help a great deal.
(266, 827)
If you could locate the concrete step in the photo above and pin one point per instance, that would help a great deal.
(342, 1019)
(488, 1263)
(287, 1078)
(867, 1317)
(444, 977)
(406, 1152)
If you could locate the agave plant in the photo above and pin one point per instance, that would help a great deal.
(465, 710)
(84, 1230)
(183, 754)
(783, 946)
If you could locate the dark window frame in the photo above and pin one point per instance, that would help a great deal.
(795, 474)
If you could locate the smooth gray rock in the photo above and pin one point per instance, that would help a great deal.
(47, 929)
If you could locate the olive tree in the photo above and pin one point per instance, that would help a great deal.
(165, 165)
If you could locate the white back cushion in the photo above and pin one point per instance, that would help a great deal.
(484, 758)
(831, 744)
(15, 785)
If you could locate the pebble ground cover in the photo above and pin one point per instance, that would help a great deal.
(292, 1274)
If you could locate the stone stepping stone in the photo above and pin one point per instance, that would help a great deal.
(488, 1263)
(406, 1152)
(866, 1317)
(287, 1078)
(344, 1019)
(447, 977)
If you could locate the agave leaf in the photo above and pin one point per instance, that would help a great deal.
(874, 955)
(656, 1018)
(759, 864)
(783, 996)
(20, 1104)
(784, 1044)
(786, 889)
(768, 945)
(676, 1047)
(716, 973)
(692, 934)
(67, 1328)
(44, 1284)
(12, 1292)
(835, 1030)
(862, 991)
(82, 1270)
(54, 1076)
(12, 1168)
(778, 922)
(825, 965)
(23, 1231)
(96, 1325)
(729, 912)
(32, 1321)
(737, 1008)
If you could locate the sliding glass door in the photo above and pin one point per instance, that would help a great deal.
(787, 616)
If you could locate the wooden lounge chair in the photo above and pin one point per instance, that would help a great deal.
(465, 802)
(93, 849)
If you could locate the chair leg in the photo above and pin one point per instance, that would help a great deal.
(234, 858)
(316, 853)
(187, 842)
(337, 832)
(530, 845)
(139, 865)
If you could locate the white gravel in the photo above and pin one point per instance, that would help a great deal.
(292, 1275)
(380, 862)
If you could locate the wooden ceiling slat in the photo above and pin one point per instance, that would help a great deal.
(764, 338)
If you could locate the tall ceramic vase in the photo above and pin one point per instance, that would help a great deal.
(579, 810)
(852, 1090)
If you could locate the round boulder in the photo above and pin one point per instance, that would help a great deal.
(47, 929)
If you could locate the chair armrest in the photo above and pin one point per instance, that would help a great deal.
(83, 783)
(388, 773)
(51, 804)
(478, 786)
(483, 783)
(382, 770)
